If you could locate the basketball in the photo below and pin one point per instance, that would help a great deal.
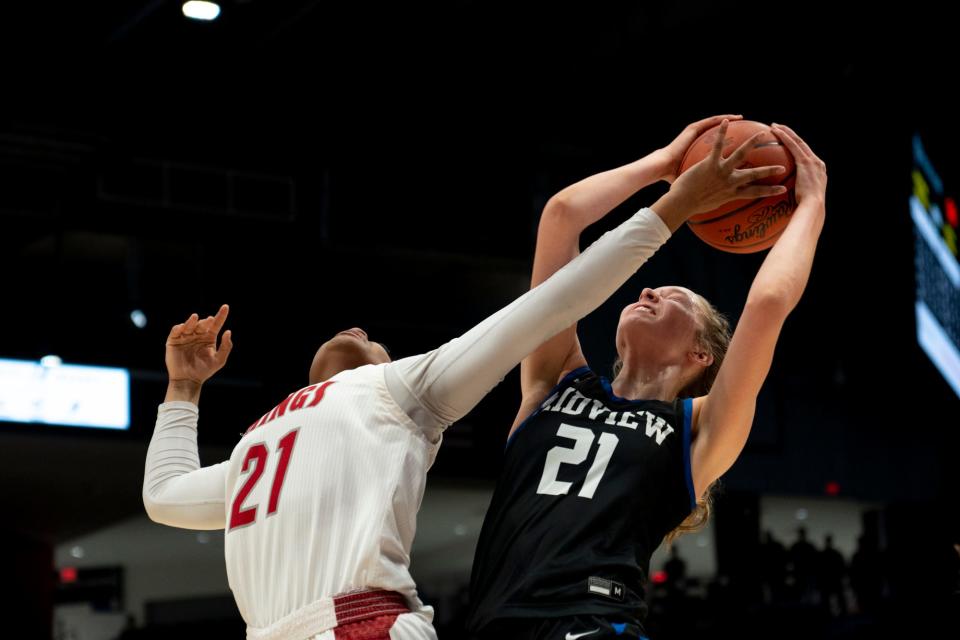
(751, 225)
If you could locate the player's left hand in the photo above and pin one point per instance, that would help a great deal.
(811, 170)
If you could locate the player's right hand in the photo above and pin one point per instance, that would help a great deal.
(192, 354)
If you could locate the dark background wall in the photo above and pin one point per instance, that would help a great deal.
(324, 167)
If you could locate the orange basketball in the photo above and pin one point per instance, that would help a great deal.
(745, 226)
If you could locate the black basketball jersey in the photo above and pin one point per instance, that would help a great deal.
(590, 486)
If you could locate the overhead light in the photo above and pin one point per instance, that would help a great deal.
(198, 10)
(77, 552)
(138, 318)
(50, 361)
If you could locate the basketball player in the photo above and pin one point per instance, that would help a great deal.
(597, 473)
(319, 497)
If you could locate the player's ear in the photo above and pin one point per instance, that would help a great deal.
(701, 356)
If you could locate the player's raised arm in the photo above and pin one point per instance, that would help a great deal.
(176, 490)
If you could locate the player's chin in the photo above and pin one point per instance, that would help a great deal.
(351, 336)
(635, 322)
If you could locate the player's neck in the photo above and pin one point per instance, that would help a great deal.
(636, 383)
(331, 367)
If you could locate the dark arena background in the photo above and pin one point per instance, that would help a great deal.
(323, 165)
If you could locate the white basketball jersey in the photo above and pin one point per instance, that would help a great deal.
(322, 498)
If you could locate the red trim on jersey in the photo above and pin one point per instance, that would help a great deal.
(367, 615)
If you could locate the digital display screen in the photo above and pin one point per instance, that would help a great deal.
(64, 394)
(934, 214)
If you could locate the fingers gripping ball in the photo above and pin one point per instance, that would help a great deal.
(745, 226)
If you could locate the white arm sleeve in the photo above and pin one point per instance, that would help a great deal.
(438, 388)
(176, 490)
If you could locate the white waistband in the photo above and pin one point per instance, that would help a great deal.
(301, 624)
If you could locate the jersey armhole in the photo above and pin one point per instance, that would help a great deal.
(564, 380)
